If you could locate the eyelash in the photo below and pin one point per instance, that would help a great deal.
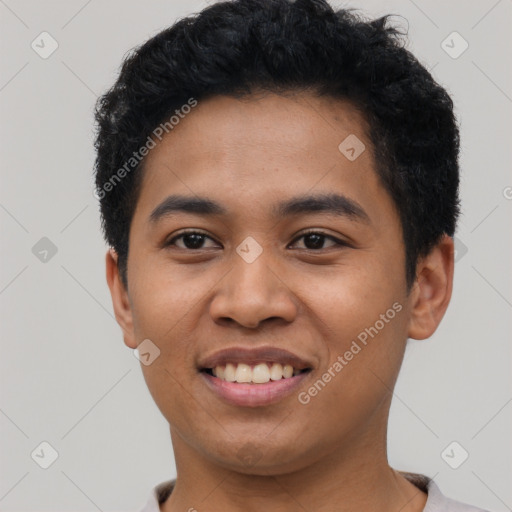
(338, 242)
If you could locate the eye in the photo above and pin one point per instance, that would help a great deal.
(314, 240)
(191, 240)
(194, 240)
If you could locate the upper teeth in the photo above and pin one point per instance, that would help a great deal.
(259, 374)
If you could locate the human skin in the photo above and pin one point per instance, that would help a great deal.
(247, 155)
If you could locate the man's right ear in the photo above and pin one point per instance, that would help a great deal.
(120, 300)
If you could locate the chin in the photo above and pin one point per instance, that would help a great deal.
(257, 456)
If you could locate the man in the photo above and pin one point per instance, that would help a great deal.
(279, 187)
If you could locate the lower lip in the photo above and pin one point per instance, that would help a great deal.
(254, 395)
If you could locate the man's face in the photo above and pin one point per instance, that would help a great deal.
(252, 279)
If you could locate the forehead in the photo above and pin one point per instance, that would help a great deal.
(298, 123)
(250, 152)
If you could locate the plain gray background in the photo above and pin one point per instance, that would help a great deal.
(68, 379)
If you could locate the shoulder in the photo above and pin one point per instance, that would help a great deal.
(436, 500)
(158, 496)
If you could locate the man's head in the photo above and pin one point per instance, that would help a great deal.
(313, 163)
(234, 48)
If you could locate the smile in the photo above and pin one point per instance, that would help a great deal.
(256, 376)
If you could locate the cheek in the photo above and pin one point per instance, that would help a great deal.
(363, 320)
(364, 361)
(163, 295)
(350, 297)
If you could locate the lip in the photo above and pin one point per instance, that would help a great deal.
(266, 354)
(253, 395)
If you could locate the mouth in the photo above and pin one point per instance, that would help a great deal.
(254, 377)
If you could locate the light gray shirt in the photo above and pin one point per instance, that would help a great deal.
(436, 500)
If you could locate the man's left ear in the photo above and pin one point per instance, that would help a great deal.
(432, 290)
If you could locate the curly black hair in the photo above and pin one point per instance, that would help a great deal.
(240, 46)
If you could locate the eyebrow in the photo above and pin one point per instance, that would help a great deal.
(336, 204)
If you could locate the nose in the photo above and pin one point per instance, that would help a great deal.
(252, 293)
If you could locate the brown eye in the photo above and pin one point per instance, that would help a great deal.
(314, 240)
(190, 240)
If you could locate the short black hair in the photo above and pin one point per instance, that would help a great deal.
(238, 47)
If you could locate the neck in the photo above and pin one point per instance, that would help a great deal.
(355, 477)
